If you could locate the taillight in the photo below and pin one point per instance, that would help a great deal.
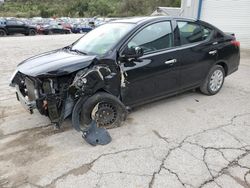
(235, 43)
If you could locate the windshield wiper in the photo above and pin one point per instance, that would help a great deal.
(78, 51)
(66, 48)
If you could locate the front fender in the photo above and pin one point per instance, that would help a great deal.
(90, 80)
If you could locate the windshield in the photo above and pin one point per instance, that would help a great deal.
(102, 39)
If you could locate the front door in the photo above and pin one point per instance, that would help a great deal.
(156, 73)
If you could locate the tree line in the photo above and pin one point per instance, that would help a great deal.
(82, 8)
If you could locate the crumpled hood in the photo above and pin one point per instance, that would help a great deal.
(54, 63)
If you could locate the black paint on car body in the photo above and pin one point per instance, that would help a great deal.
(136, 60)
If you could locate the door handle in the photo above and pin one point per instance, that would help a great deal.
(212, 52)
(171, 61)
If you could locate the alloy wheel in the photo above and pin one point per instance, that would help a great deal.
(216, 80)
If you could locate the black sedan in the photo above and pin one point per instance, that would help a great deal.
(13, 26)
(123, 64)
(53, 29)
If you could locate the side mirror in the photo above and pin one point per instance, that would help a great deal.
(133, 52)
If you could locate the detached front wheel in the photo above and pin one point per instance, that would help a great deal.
(214, 81)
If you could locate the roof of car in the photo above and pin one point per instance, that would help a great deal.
(137, 20)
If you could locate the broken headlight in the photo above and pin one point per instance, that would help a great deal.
(80, 81)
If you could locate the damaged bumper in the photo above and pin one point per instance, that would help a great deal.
(47, 95)
(26, 103)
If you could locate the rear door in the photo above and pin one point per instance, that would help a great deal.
(196, 52)
(156, 73)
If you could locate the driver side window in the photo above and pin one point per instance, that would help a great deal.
(154, 37)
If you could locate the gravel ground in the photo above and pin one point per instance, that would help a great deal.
(189, 140)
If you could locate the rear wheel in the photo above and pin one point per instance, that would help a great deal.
(2, 33)
(214, 81)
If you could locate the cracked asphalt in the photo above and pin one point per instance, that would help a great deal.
(189, 140)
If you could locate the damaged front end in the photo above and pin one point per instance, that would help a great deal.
(56, 97)
(90, 80)
(82, 79)
(48, 95)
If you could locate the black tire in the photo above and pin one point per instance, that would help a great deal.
(2, 33)
(103, 103)
(32, 32)
(207, 86)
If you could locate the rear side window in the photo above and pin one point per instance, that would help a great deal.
(154, 37)
(218, 35)
(191, 32)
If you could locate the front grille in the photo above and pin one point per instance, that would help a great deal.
(30, 86)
